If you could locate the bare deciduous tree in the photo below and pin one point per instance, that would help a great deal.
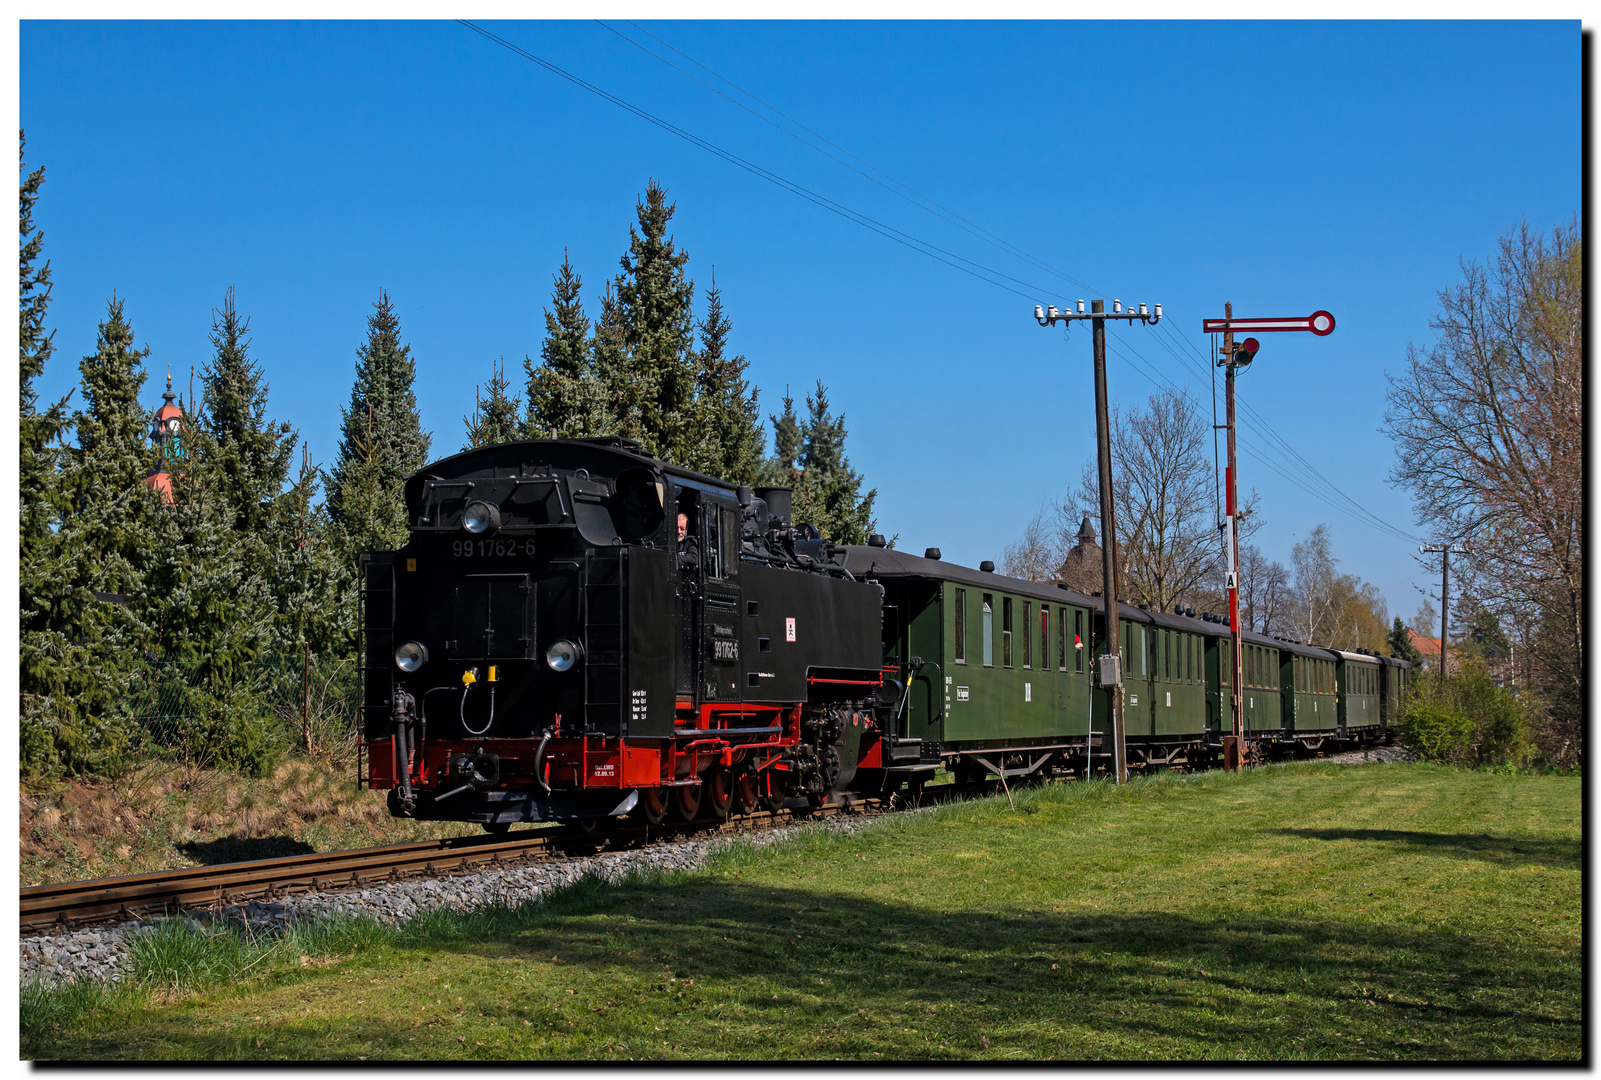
(1162, 497)
(1489, 431)
(1327, 608)
(1036, 555)
(1264, 592)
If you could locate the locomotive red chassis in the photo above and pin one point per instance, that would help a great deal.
(711, 736)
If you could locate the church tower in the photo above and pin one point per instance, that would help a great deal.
(166, 432)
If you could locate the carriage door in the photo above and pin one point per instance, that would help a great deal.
(721, 612)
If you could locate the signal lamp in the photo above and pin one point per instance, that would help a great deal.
(411, 656)
(481, 518)
(564, 655)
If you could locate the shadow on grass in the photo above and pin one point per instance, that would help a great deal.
(813, 965)
(229, 849)
(1500, 849)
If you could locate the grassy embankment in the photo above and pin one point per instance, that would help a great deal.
(1304, 912)
(164, 815)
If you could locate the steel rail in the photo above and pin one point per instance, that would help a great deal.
(71, 904)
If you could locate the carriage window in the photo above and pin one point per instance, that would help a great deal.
(1045, 636)
(961, 626)
(989, 630)
(1061, 639)
(1028, 636)
(1165, 664)
(1078, 641)
(1006, 631)
(1189, 658)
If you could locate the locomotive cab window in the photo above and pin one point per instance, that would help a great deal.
(712, 545)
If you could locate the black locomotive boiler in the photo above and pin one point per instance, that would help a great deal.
(575, 630)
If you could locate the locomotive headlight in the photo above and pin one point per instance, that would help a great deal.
(563, 655)
(481, 518)
(411, 656)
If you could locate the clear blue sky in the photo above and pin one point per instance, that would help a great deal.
(1283, 166)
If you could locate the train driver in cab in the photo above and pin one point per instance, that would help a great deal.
(688, 545)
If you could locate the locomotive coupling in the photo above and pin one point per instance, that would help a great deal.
(471, 771)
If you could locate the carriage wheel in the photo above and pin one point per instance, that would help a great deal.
(652, 806)
(686, 802)
(717, 792)
(746, 792)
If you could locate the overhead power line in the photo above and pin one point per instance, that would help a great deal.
(1293, 467)
(922, 247)
(900, 189)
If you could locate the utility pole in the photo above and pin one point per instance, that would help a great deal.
(1443, 550)
(1320, 323)
(1111, 674)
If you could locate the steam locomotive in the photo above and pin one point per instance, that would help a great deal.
(576, 631)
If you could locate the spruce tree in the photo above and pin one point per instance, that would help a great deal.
(112, 428)
(381, 439)
(809, 458)
(495, 417)
(1401, 646)
(563, 395)
(39, 432)
(830, 489)
(788, 441)
(655, 303)
(620, 395)
(252, 454)
(729, 421)
(79, 651)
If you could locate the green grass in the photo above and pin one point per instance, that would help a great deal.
(1305, 912)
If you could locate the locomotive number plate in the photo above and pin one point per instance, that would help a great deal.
(490, 547)
(725, 650)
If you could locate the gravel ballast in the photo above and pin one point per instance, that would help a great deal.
(101, 952)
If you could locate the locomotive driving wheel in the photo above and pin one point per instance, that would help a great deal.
(652, 805)
(747, 792)
(768, 793)
(717, 792)
(686, 802)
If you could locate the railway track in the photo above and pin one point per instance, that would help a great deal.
(65, 906)
(69, 905)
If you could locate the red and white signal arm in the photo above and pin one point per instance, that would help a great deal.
(1320, 323)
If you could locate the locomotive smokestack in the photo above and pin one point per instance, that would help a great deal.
(777, 500)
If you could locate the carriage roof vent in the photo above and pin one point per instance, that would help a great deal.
(931, 553)
(987, 566)
(876, 540)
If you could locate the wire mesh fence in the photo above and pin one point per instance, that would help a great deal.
(186, 707)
